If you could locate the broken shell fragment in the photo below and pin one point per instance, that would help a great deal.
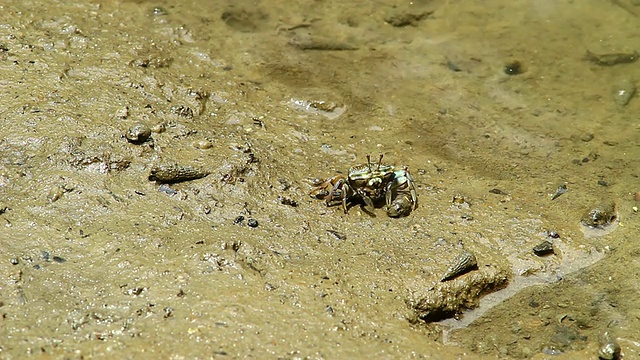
(462, 264)
(173, 173)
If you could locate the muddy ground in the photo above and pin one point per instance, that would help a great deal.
(492, 107)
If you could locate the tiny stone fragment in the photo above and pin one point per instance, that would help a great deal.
(167, 190)
(459, 199)
(159, 10)
(544, 248)
(252, 223)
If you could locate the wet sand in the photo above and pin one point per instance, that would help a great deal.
(491, 108)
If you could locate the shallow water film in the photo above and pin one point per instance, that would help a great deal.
(165, 171)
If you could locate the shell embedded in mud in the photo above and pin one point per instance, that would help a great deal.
(173, 173)
(462, 264)
(445, 299)
(601, 216)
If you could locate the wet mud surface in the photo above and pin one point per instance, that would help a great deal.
(157, 161)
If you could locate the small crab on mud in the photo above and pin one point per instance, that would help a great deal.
(370, 184)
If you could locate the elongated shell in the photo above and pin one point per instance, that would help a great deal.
(462, 264)
(173, 173)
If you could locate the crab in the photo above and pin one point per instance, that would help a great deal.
(371, 184)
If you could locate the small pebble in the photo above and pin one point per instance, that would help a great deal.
(636, 196)
(159, 11)
(202, 144)
(623, 92)
(138, 133)
(553, 234)
(122, 113)
(167, 190)
(168, 311)
(238, 220)
(252, 223)
(587, 137)
(459, 199)
(159, 128)
(544, 248)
